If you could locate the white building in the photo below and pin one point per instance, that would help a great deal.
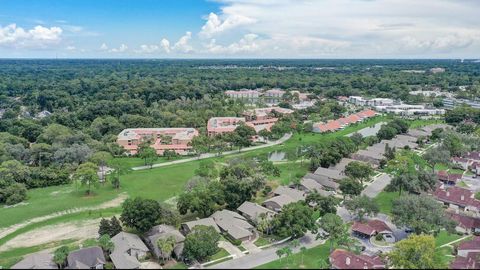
(357, 100)
(409, 110)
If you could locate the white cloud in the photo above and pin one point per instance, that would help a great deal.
(248, 44)
(70, 48)
(352, 28)
(148, 49)
(215, 25)
(165, 44)
(104, 47)
(37, 37)
(183, 45)
(120, 49)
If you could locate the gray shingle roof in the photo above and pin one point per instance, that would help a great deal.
(233, 223)
(163, 232)
(313, 185)
(40, 260)
(253, 210)
(204, 221)
(330, 173)
(85, 258)
(295, 194)
(125, 242)
(340, 166)
(123, 260)
(322, 180)
(280, 201)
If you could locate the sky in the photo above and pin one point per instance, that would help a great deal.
(240, 29)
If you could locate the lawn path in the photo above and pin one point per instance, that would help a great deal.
(454, 241)
(113, 203)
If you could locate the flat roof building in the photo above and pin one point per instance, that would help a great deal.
(161, 139)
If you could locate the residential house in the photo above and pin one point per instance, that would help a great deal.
(343, 259)
(468, 246)
(465, 224)
(128, 249)
(86, 258)
(163, 232)
(458, 199)
(234, 225)
(370, 155)
(284, 196)
(370, 228)
(471, 261)
(176, 139)
(41, 260)
(342, 164)
(187, 227)
(341, 123)
(332, 174)
(322, 180)
(460, 162)
(309, 185)
(273, 96)
(254, 211)
(449, 178)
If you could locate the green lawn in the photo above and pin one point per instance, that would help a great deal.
(441, 167)
(420, 123)
(444, 237)
(290, 170)
(178, 265)
(443, 256)
(311, 259)
(220, 254)
(44, 201)
(385, 201)
(262, 241)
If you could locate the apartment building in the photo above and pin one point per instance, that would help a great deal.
(220, 125)
(161, 139)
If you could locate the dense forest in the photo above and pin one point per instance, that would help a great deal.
(91, 101)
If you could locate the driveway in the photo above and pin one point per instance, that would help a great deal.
(378, 184)
(265, 256)
(210, 155)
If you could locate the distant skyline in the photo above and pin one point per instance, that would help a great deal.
(373, 29)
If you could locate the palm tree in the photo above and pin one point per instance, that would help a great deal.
(280, 253)
(166, 246)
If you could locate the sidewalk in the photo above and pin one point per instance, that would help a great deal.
(210, 155)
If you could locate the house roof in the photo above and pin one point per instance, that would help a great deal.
(295, 194)
(40, 260)
(340, 166)
(417, 133)
(313, 185)
(280, 200)
(472, 261)
(254, 210)
(363, 228)
(85, 258)
(330, 173)
(321, 180)
(123, 260)
(466, 222)
(124, 241)
(204, 221)
(342, 259)
(379, 225)
(445, 176)
(366, 113)
(233, 223)
(473, 244)
(456, 195)
(163, 231)
(472, 155)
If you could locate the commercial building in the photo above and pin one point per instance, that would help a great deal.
(251, 96)
(450, 103)
(176, 139)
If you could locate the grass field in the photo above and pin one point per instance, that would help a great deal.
(311, 259)
(385, 200)
(444, 238)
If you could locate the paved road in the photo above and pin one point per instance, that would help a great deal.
(378, 184)
(265, 256)
(210, 155)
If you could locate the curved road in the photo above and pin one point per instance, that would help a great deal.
(210, 155)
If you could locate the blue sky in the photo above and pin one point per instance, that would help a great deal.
(240, 28)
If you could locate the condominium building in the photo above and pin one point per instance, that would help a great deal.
(409, 110)
(220, 125)
(161, 139)
(273, 96)
(360, 101)
(249, 95)
(450, 103)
